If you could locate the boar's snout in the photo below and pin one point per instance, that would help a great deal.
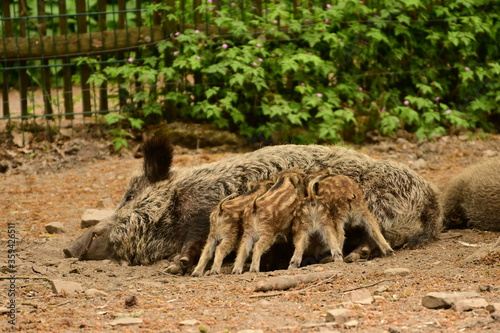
(91, 245)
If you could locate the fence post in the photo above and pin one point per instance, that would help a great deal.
(103, 88)
(42, 31)
(66, 70)
(6, 76)
(84, 69)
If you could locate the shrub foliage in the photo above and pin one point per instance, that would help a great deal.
(327, 72)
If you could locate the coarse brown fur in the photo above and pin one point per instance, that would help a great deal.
(471, 199)
(226, 227)
(268, 218)
(165, 211)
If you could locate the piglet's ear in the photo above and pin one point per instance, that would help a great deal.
(158, 154)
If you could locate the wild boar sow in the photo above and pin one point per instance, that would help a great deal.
(165, 211)
(471, 199)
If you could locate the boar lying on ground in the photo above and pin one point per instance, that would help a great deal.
(226, 227)
(165, 211)
(471, 199)
(334, 203)
(268, 218)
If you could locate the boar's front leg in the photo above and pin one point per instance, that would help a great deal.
(193, 244)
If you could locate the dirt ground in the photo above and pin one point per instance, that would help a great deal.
(56, 182)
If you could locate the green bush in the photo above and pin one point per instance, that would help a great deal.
(330, 72)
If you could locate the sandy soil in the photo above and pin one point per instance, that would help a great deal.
(57, 182)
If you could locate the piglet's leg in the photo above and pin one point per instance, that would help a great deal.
(300, 241)
(227, 244)
(261, 246)
(206, 255)
(243, 253)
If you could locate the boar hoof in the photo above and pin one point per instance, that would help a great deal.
(174, 269)
(184, 261)
(352, 257)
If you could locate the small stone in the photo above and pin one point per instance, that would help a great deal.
(126, 321)
(251, 331)
(21, 139)
(55, 228)
(59, 286)
(397, 271)
(495, 315)
(419, 164)
(131, 301)
(470, 304)
(394, 329)
(440, 300)
(378, 298)
(189, 322)
(484, 288)
(94, 293)
(4, 310)
(93, 216)
(493, 307)
(362, 296)
(65, 132)
(351, 323)
(338, 316)
(489, 153)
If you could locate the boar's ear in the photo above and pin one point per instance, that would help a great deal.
(158, 154)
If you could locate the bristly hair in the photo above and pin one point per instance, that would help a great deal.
(158, 155)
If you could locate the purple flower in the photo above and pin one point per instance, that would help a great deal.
(360, 88)
(279, 54)
(328, 6)
(233, 4)
(261, 60)
(383, 109)
(467, 69)
(224, 46)
(398, 121)
(448, 111)
(319, 95)
(130, 60)
(309, 53)
(361, 2)
(197, 31)
(275, 21)
(327, 21)
(198, 57)
(264, 10)
(177, 33)
(209, 1)
(255, 64)
(306, 20)
(407, 102)
(302, 84)
(258, 45)
(437, 99)
(176, 53)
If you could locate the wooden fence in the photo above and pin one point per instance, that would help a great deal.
(42, 40)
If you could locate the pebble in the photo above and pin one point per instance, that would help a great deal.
(351, 323)
(58, 286)
(362, 296)
(126, 321)
(493, 307)
(95, 292)
(55, 228)
(419, 164)
(189, 322)
(93, 216)
(489, 153)
(3, 310)
(338, 316)
(397, 271)
(440, 300)
(470, 304)
(251, 331)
